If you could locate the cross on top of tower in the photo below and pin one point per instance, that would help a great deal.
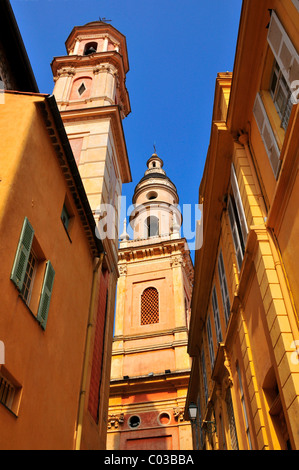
(104, 20)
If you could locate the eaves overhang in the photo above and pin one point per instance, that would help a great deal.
(215, 187)
(247, 70)
(61, 145)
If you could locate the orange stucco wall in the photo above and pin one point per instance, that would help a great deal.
(46, 364)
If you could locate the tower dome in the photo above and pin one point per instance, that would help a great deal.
(155, 200)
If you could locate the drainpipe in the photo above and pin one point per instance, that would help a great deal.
(87, 353)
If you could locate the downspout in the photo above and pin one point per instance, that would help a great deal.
(87, 354)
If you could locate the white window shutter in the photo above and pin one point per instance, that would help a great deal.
(267, 134)
(296, 3)
(239, 204)
(283, 49)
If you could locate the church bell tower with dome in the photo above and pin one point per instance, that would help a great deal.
(150, 365)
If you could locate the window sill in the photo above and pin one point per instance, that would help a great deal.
(8, 409)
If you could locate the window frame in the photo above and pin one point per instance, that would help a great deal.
(224, 287)
(216, 314)
(158, 301)
(210, 341)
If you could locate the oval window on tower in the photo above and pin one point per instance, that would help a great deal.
(134, 421)
(152, 195)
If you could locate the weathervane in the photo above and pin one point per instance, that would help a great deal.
(104, 20)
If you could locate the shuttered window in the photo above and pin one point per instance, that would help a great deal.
(150, 306)
(210, 341)
(284, 52)
(22, 256)
(204, 375)
(267, 134)
(223, 286)
(23, 273)
(231, 421)
(216, 315)
(44, 304)
(237, 219)
(285, 74)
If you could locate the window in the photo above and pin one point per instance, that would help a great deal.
(134, 421)
(27, 266)
(7, 392)
(90, 48)
(223, 286)
(244, 407)
(10, 391)
(281, 95)
(29, 277)
(65, 217)
(231, 420)
(81, 89)
(152, 226)
(204, 375)
(210, 341)
(237, 219)
(267, 134)
(216, 315)
(284, 74)
(149, 306)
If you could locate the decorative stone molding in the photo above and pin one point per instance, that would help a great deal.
(66, 72)
(115, 420)
(122, 270)
(177, 261)
(178, 414)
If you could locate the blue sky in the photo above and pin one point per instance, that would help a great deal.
(176, 48)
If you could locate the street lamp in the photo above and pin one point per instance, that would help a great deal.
(192, 416)
(192, 411)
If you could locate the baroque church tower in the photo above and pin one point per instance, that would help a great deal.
(150, 365)
(90, 91)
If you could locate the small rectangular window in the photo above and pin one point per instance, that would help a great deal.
(216, 315)
(204, 375)
(242, 397)
(10, 391)
(7, 392)
(65, 217)
(210, 341)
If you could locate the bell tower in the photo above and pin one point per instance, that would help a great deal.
(91, 94)
(150, 364)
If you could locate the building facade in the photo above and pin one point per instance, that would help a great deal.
(244, 314)
(49, 252)
(150, 365)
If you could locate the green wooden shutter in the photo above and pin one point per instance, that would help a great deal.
(44, 304)
(22, 254)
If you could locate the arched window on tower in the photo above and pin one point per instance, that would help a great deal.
(149, 306)
(90, 48)
(152, 226)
